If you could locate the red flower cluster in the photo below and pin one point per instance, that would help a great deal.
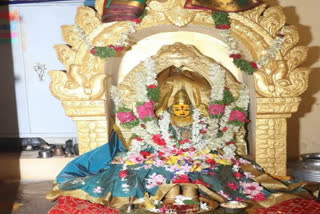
(138, 139)
(145, 154)
(237, 175)
(152, 86)
(123, 174)
(210, 161)
(137, 20)
(184, 141)
(116, 48)
(93, 51)
(181, 179)
(232, 186)
(158, 140)
(223, 26)
(254, 65)
(259, 197)
(235, 56)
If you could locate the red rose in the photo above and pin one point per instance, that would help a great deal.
(203, 131)
(235, 56)
(160, 154)
(93, 51)
(116, 48)
(224, 129)
(158, 140)
(152, 86)
(123, 174)
(192, 149)
(201, 182)
(224, 26)
(254, 65)
(143, 125)
(210, 161)
(237, 175)
(239, 199)
(137, 20)
(232, 186)
(229, 143)
(184, 141)
(211, 173)
(259, 197)
(138, 139)
(145, 154)
(181, 179)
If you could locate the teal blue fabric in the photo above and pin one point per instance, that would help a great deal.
(101, 184)
(92, 162)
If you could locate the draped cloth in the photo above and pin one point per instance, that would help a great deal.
(122, 10)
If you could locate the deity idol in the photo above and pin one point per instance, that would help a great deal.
(186, 150)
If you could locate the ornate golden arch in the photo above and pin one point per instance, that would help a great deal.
(82, 88)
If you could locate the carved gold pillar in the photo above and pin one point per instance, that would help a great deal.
(92, 124)
(271, 132)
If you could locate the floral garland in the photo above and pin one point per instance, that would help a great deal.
(222, 22)
(214, 132)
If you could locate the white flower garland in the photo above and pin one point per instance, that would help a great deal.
(269, 53)
(197, 137)
(164, 124)
(115, 96)
(151, 75)
(141, 90)
(217, 77)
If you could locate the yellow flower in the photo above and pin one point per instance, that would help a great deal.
(149, 161)
(224, 161)
(172, 160)
(196, 168)
(129, 163)
(212, 156)
(206, 151)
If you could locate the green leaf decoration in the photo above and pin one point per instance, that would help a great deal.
(131, 124)
(244, 65)
(190, 202)
(227, 97)
(153, 94)
(235, 123)
(123, 109)
(104, 52)
(220, 18)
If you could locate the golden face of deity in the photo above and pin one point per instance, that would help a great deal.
(181, 110)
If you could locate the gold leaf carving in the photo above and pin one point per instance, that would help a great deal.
(72, 86)
(65, 55)
(296, 56)
(99, 7)
(179, 16)
(162, 6)
(273, 19)
(70, 36)
(255, 13)
(291, 38)
(86, 18)
(111, 34)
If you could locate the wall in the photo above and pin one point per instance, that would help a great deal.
(303, 127)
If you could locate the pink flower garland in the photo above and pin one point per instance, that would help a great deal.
(145, 110)
(125, 117)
